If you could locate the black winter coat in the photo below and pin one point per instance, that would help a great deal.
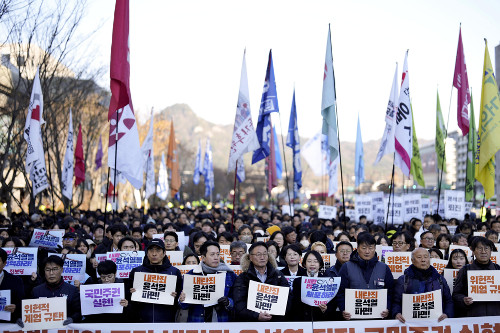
(304, 312)
(16, 287)
(59, 290)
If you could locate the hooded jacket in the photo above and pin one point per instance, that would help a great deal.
(240, 288)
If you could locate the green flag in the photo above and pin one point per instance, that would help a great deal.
(440, 136)
(416, 163)
(471, 154)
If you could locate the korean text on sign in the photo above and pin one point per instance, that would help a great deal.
(365, 303)
(424, 306)
(125, 261)
(21, 260)
(484, 285)
(101, 298)
(398, 262)
(316, 291)
(49, 239)
(4, 300)
(267, 298)
(154, 288)
(43, 313)
(204, 289)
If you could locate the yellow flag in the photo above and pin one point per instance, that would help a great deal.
(488, 142)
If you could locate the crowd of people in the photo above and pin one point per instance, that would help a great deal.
(292, 247)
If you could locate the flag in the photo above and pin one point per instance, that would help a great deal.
(98, 155)
(268, 104)
(333, 171)
(68, 164)
(488, 141)
(162, 187)
(315, 156)
(173, 162)
(293, 141)
(79, 160)
(240, 173)
(244, 137)
(328, 102)
(208, 170)
(387, 143)
(35, 156)
(271, 173)
(416, 162)
(359, 164)
(461, 82)
(440, 137)
(403, 136)
(279, 163)
(197, 173)
(148, 159)
(121, 117)
(471, 154)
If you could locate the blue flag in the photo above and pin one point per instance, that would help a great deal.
(197, 172)
(359, 164)
(279, 163)
(268, 104)
(208, 170)
(293, 141)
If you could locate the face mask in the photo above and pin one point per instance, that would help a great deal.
(246, 239)
(337, 232)
(304, 242)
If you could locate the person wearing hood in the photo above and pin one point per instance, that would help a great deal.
(155, 261)
(211, 264)
(420, 278)
(257, 266)
(364, 271)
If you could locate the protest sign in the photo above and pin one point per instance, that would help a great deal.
(154, 288)
(378, 209)
(43, 313)
(101, 298)
(236, 269)
(467, 207)
(125, 261)
(318, 290)
(327, 212)
(365, 303)
(21, 260)
(286, 209)
(495, 258)
(204, 289)
(48, 239)
(100, 257)
(395, 210)
(183, 240)
(450, 275)
(425, 306)
(398, 262)
(225, 253)
(439, 264)
(267, 298)
(186, 268)
(74, 267)
(454, 204)
(351, 214)
(329, 260)
(4, 300)
(484, 285)
(175, 257)
(466, 249)
(412, 206)
(363, 206)
(479, 233)
(452, 229)
(263, 239)
(426, 208)
(290, 280)
(381, 250)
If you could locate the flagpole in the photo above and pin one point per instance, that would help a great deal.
(234, 196)
(106, 200)
(50, 179)
(284, 161)
(391, 189)
(115, 185)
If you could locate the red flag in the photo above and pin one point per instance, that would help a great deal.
(272, 174)
(111, 189)
(461, 82)
(79, 161)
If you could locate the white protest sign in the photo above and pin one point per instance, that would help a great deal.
(43, 313)
(381, 250)
(395, 213)
(351, 214)
(454, 204)
(154, 288)
(327, 212)
(450, 275)
(426, 208)
(261, 239)
(495, 258)
(4, 300)
(48, 239)
(74, 267)
(467, 207)
(452, 229)
(125, 261)
(267, 298)
(100, 257)
(425, 306)
(286, 209)
(466, 249)
(175, 257)
(329, 260)
(236, 269)
(484, 285)
(412, 206)
(101, 298)
(204, 289)
(320, 290)
(186, 268)
(363, 206)
(378, 209)
(398, 262)
(225, 253)
(439, 264)
(365, 303)
(21, 260)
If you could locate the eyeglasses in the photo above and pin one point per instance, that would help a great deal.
(345, 251)
(259, 255)
(398, 243)
(69, 239)
(428, 239)
(51, 270)
(483, 249)
(169, 240)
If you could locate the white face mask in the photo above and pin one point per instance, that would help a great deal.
(246, 239)
(304, 242)
(337, 232)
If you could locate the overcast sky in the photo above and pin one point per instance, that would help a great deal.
(191, 52)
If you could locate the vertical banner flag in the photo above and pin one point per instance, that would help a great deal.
(440, 137)
(154, 288)
(244, 137)
(204, 289)
(240, 174)
(101, 298)
(426, 306)
(471, 154)
(403, 135)
(268, 104)
(173, 162)
(316, 291)
(387, 143)
(67, 171)
(79, 160)
(272, 179)
(196, 173)
(293, 141)
(328, 111)
(488, 140)
(35, 157)
(359, 163)
(121, 117)
(277, 153)
(98, 155)
(365, 303)
(43, 313)
(416, 163)
(149, 160)
(461, 82)
(162, 187)
(267, 298)
(315, 156)
(208, 170)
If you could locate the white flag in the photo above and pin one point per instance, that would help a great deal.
(162, 187)
(148, 158)
(315, 156)
(403, 136)
(244, 137)
(241, 170)
(387, 143)
(35, 156)
(333, 171)
(68, 165)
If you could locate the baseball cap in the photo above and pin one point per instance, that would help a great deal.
(156, 242)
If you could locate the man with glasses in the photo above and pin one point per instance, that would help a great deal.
(401, 242)
(465, 305)
(69, 239)
(343, 254)
(427, 240)
(257, 266)
(172, 243)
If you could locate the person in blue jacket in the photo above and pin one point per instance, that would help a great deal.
(420, 278)
(211, 264)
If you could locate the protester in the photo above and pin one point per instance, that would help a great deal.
(16, 287)
(191, 259)
(292, 255)
(427, 240)
(458, 259)
(237, 250)
(117, 232)
(401, 242)
(343, 255)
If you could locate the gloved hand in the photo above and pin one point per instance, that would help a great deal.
(68, 321)
(223, 301)
(19, 322)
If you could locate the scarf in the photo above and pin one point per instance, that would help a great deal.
(211, 270)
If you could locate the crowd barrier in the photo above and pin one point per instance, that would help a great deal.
(455, 325)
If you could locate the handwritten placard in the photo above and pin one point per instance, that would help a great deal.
(101, 298)
(365, 303)
(267, 298)
(154, 288)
